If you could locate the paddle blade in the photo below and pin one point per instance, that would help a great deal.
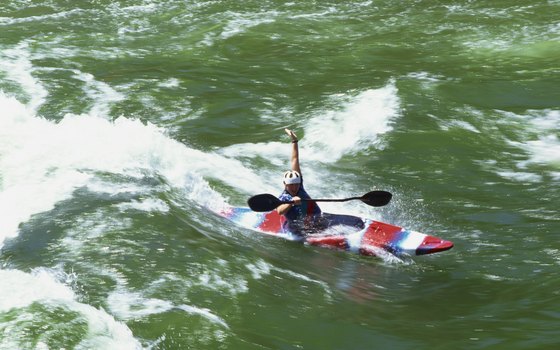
(376, 198)
(263, 202)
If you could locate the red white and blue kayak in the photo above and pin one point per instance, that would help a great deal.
(371, 238)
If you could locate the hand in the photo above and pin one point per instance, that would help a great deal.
(297, 200)
(291, 134)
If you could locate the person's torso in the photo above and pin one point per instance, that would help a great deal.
(300, 216)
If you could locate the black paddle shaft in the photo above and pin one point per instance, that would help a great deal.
(267, 202)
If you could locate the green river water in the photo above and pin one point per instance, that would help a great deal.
(123, 124)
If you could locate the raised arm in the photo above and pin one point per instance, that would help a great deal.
(294, 162)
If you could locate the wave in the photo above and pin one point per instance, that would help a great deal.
(42, 287)
(43, 162)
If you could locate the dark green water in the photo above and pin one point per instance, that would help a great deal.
(122, 122)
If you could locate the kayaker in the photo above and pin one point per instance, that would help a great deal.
(302, 216)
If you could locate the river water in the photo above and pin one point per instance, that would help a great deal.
(123, 124)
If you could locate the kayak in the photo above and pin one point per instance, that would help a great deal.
(344, 232)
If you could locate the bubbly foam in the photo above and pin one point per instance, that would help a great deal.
(19, 290)
(355, 127)
(16, 63)
(540, 138)
(546, 149)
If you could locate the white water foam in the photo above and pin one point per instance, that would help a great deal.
(238, 23)
(16, 63)
(241, 22)
(262, 268)
(19, 290)
(546, 149)
(540, 140)
(521, 176)
(460, 124)
(204, 313)
(61, 15)
(130, 305)
(148, 205)
(356, 127)
(90, 227)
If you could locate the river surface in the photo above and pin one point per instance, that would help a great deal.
(125, 124)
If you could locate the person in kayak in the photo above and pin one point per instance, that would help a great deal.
(302, 216)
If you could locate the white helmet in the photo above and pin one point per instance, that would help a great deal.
(292, 177)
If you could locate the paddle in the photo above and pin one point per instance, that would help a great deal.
(268, 202)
